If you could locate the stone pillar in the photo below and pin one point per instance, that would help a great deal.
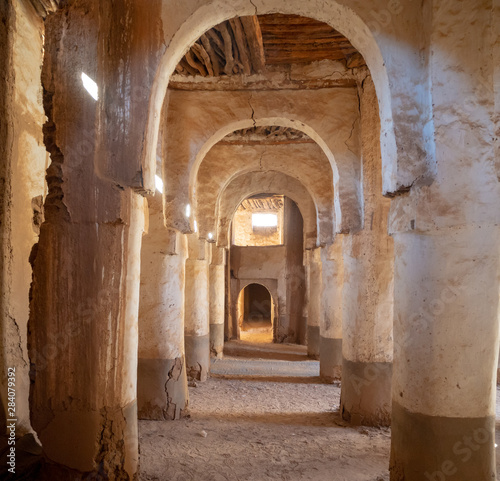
(217, 298)
(447, 244)
(196, 316)
(446, 348)
(314, 302)
(330, 357)
(367, 298)
(84, 340)
(161, 375)
(83, 327)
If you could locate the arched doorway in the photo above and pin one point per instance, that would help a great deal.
(255, 314)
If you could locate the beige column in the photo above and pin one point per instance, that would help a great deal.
(447, 244)
(330, 357)
(217, 298)
(196, 314)
(314, 282)
(161, 375)
(367, 298)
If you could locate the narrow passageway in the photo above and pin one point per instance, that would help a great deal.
(257, 317)
(262, 415)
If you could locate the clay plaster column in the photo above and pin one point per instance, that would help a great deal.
(330, 357)
(447, 245)
(196, 316)
(446, 348)
(84, 341)
(314, 302)
(161, 376)
(217, 297)
(367, 298)
(83, 327)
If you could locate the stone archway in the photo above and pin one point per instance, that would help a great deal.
(356, 24)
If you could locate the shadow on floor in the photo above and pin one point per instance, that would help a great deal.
(252, 350)
(286, 379)
(327, 419)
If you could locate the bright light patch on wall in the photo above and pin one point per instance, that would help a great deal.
(195, 226)
(188, 210)
(159, 184)
(210, 236)
(264, 220)
(90, 86)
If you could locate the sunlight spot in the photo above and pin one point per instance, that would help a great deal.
(90, 86)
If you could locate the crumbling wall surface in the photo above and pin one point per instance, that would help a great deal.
(22, 187)
(83, 337)
(197, 309)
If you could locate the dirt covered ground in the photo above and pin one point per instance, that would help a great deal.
(259, 423)
(265, 416)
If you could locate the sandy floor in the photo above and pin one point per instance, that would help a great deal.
(264, 420)
(248, 427)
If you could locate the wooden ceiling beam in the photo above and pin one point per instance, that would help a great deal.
(242, 45)
(253, 34)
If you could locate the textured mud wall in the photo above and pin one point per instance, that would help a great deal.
(377, 29)
(196, 122)
(269, 182)
(313, 268)
(22, 187)
(275, 265)
(447, 243)
(217, 298)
